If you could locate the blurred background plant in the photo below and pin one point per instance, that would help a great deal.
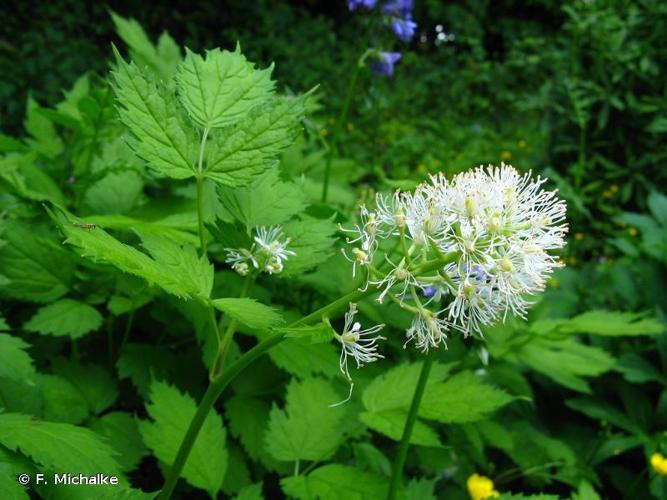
(573, 90)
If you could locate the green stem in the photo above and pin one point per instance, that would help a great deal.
(333, 145)
(200, 190)
(226, 341)
(200, 213)
(399, 461)
(217, 385)
(212, 394)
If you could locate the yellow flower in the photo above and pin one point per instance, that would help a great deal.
(506, 155)
(659, 463)
(553, 282)
(578, 236)
(421, 168)
(324, 132)
(613, 188)
(632, 231)
(523, 144)
(481, 488)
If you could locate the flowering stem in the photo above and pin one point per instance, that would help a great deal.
(338, 127)
(399, 461)
(218, 384)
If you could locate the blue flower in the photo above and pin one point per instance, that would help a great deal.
(404, 29)
(397, 8)
(355, 4)
(430, 291)
(384, 63)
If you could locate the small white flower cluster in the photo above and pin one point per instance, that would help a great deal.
(358, 343)
(461, 254)
(267, 253)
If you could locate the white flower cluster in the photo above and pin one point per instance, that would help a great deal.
(267, 253)
(461, 254)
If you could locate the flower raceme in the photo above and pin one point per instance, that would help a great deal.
(462, 254)
(267, 253)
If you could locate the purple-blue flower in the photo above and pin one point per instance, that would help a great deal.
(397, 8)
(384, 63)
(355, 4)
(404, 29)
(429, 291)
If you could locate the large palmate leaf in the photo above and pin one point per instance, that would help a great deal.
(65, 317)
(220, 89)
(171, 413)
(162, 136)
(177, 270)
(308, 428)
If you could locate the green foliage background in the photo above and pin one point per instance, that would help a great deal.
(106, 343)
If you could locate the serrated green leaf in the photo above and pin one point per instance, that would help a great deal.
(115, 193)
(143, 363)
(567, 362)
(312, 240)
(249, 312)
(15, 363)
(149, 109)
(61, 401)
(394, 388)
(10, 487)
(122, 431)
(171, 413)
(38, 268)
(637, 369)
(45, 139)
(657, 204)
(56, 446)
(614, 323)
(304, 359)
(251, 492)
(236, 154)
(336, 482)
(194, 273)
(248, 418)
(391, 424)
(462, 398)
(96, 385)
(222, 88)
(65, 317)
(317, 334)
(177, 270)
(308, 428)
(267, 201)
(162, 60)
